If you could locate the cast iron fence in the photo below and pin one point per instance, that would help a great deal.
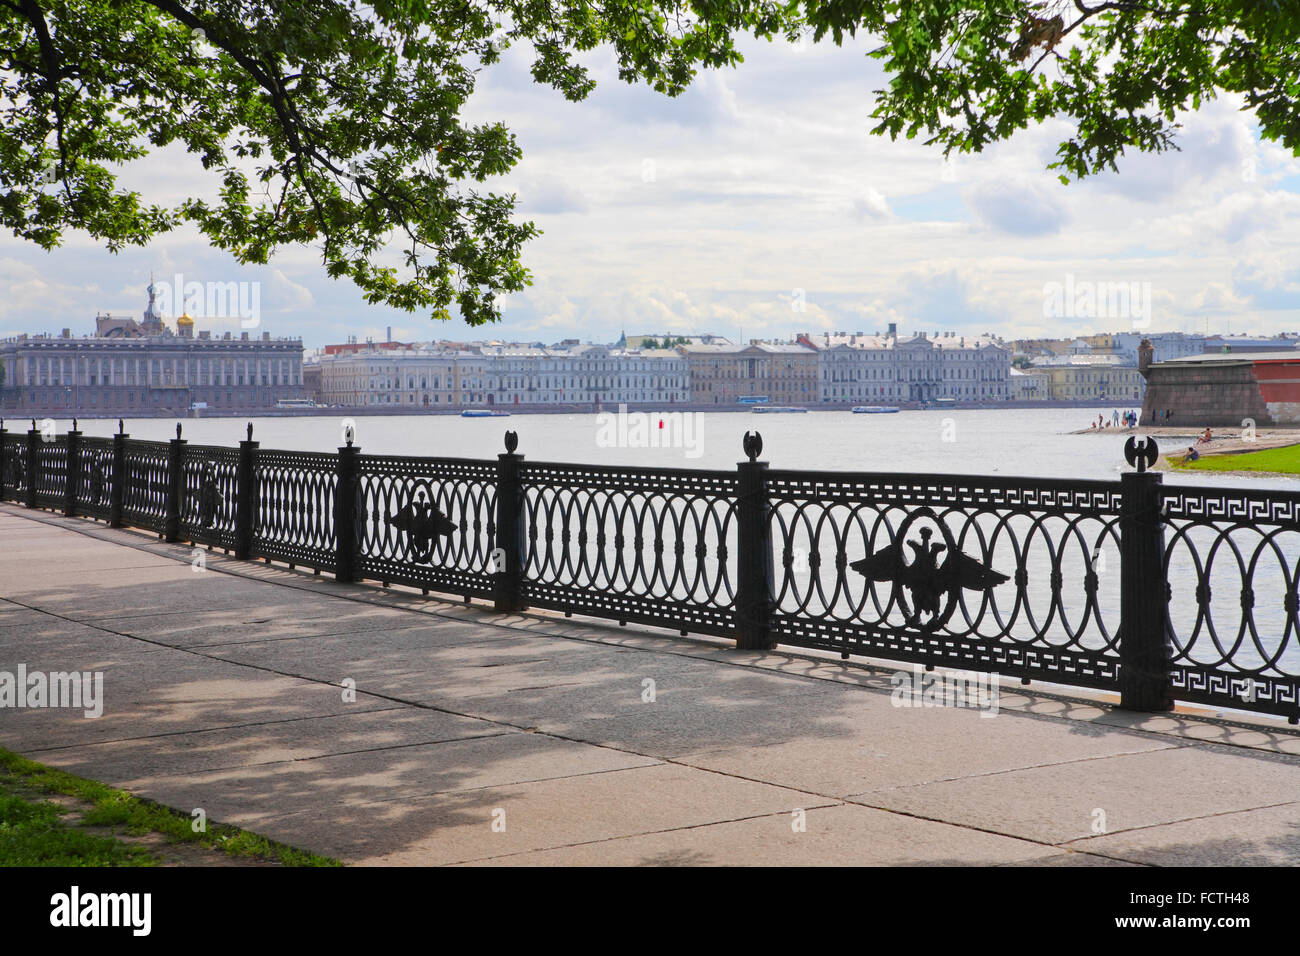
(1156, 593)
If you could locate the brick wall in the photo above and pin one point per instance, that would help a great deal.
(1204, 395)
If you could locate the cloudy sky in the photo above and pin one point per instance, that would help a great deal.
(758, 205)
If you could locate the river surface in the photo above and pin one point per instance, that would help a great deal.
(1007, 442)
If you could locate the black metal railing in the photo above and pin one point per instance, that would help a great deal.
(1154, 593)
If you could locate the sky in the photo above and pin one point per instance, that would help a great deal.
(758, 205)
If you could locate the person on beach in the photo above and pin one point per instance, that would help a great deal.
(1205, 438)
(1192, 454)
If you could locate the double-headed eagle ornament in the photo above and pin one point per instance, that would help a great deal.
(929, 579)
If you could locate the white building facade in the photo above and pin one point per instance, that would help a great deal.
(872, 369)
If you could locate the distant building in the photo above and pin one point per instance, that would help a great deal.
(721, 374)
(576, 374)
(311, 381)
(1167, 345)
(1092, 378)
(381, 378)
(859, 368)
(1029, 385)
(143, 368)
(1217, 344)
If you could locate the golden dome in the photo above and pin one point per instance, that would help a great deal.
(185, 319)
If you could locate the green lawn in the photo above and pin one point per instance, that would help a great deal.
(35, 831)
(1280, 460)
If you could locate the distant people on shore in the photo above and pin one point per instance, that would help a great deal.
(1128, 419)
(1205, 438)
(1192, 454)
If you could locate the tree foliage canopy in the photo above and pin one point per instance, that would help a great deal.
(339, 125)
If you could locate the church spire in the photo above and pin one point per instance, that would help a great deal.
(152, 320)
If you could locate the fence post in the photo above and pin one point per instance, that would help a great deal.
(345, 511)
(508, 557)
(33, 463)
(246, 496)
(175, 486)
(4, 460)
(1144, 654)
(117, 494)
(754, 584)
(73, 485)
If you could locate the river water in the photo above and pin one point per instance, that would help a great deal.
(1005, 442)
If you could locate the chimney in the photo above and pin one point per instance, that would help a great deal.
(893, 330)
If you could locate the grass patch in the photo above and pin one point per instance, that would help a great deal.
(1284, 461)
(33, 833)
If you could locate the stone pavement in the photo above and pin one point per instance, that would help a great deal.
(225, 689)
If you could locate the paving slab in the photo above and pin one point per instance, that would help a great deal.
(572, 810)
(365, 726)
(1063, 802)
(1266, 837)
(843, 835)
(149, 691)
(258, 623)
(319, 790)
(866, 744)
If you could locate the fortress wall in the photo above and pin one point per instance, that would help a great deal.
(1206, 395)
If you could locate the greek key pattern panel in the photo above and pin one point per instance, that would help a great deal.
(1279, 696)
(1064, 666)
(429, 523)
(1280, 508)
(1097, 498)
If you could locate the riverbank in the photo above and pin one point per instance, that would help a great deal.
(1276, 460)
